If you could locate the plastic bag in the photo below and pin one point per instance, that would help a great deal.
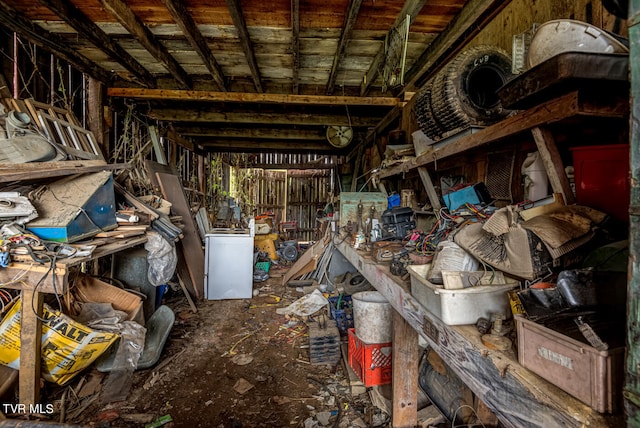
(162, 259)
(450, 257)
(306, 305)
(130, 347)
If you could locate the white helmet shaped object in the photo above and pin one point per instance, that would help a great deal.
(566, 35)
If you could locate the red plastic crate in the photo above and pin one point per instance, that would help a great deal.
(602, 178)
(371, 362)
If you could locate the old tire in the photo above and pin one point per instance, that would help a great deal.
(424, 114)
(463, 93)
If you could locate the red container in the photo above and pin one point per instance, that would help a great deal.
(602, 178)
(370, 361)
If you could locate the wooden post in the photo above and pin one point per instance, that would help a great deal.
(632, 364)
(406, 355)
(553, 163)
(30, 343)
(95, 115)
(356, 169)
(434, 199)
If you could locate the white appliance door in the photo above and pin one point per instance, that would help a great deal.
(229, 266)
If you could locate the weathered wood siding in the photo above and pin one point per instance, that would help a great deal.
(308, 191)
(291, 195)
(520, 15)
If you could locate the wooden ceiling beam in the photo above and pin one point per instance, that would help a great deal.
(213, 116)
(245, 97)
(345, 35)
(304, 166)
(142, 34)
(472, 18)
(295, 45)
(257, 133)
(243, 34)
(184, 20)
(90, 31)
(411, 8)
(215, 144)
(11, 19)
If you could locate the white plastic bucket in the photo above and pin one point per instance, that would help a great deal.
(372, 317)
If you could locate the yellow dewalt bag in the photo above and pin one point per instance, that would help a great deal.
(68, 347)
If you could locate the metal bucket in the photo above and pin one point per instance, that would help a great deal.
(372, 317)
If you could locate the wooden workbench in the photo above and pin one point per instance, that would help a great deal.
(518, 397)
(25, 275)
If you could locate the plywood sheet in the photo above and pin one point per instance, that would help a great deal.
(173, 192)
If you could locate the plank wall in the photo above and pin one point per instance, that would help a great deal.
(520, 15)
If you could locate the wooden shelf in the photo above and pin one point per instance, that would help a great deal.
(573, 105)
(517, 396)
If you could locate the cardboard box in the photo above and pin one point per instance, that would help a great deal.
(89, 289)
(593, 377)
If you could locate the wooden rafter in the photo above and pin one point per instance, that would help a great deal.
(345, 35)
(142, 34)
(257, 133)
(90, 31)
(243, 34)
(411, 8)
(14, 21)
(184, 20)
(202, 115)
(172, 135)
(471, 19)
(244, 97)
(295, 45)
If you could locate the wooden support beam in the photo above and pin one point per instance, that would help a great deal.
(553, 163)
(345, 35)
(95, 114)
(183, 18)
(92, 32)
(191, 115)
(40, 170)
(245, 40)
(411, 8)
(253, 145)
(30, 347)
(246, 97)
(406, 356)
(471, 19)
(257, 133)
(142, 34)
(295, 45)
(175, 137)
(31, 273)
(356, 169)
(434, 199)
(11, 19)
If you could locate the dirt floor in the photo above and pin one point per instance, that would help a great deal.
(233, 363)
